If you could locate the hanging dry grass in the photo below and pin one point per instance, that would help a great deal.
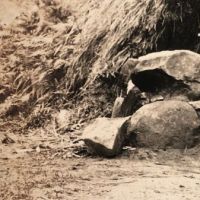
(69, 55)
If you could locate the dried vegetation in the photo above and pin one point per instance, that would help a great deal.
(59, 55)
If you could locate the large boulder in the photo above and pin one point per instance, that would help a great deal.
(170, 73)
(164, 124)
(106, 136)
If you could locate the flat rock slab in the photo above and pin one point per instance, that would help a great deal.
(164, 124)
(178, 71)
(181, 64)
(106, 136)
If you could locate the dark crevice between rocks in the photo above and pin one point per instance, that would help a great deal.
(195, 139)
(156, 81)
(130, 104)
(131, 140)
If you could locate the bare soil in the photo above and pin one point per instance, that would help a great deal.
(39, 173)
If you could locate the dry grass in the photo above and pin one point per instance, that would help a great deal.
(68, 55)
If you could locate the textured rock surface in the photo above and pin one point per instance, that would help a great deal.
(116, 112)
(105, 136)
(181, 64)
(163, 124)
(126, 106)
(195, 104)
(177, 72)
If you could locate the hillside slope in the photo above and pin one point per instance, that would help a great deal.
(68, 55)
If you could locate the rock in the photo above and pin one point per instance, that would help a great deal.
(170, 73)
(195, 104)
(126, 106)
(116, 112)
(157, 98)
(130, 86)
(132, 102)
(106, 136)
(164, 124)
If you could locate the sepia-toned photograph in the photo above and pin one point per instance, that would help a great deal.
(99, 100)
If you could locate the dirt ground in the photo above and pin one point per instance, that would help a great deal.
(138, 174)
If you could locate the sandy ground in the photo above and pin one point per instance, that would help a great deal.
(141, 174)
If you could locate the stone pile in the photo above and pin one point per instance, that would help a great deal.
(160, 110)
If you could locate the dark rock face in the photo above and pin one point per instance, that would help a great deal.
(170, 73)
(126, 106)
(164, 124)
